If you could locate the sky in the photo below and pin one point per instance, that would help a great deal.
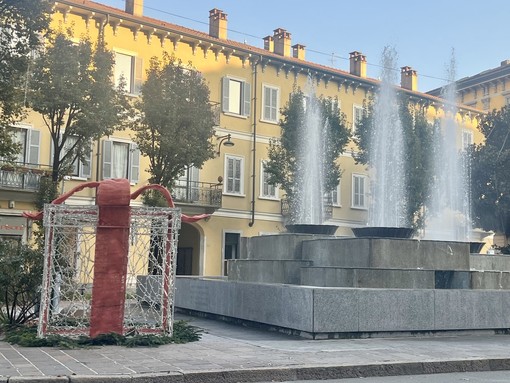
(425, 34)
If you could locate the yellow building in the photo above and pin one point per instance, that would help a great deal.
(486, 91)
(249, 85)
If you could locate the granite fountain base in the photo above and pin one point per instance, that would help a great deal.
(322, 287)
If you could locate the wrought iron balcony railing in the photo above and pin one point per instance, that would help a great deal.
(20, 177)
(198, 193)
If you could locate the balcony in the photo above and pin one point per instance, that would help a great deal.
(202, 195)
(17, 177)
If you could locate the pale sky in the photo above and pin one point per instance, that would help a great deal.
(422, 32)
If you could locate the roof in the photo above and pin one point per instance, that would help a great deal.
(490, 75)
(287, 62)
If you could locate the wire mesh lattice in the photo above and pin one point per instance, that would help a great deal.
(68, 277)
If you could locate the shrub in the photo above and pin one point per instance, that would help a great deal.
(21, 271)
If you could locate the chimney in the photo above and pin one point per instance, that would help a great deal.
(505, 62)
(408, 78)
(218, 24)
(134, 7)
(358, 64)
(298, 51)
(281, 42)
(269, 43)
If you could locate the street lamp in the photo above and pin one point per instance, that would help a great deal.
(226, 141)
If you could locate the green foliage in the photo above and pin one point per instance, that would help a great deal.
(418, 139)
(283, 152)
(490, 177)
(21, 22)
(26, 336)
(176, 120)
(21, 270)
(72, 88)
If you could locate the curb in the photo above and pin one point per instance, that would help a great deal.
(284, 374)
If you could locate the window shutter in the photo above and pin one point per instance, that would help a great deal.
(52, 151)
(246, 99)
(230, 175)
(85, 168)
(134, 171)
(267, 103)
(107, 159)
(237, 176)
(225, 92)
(33, 146)
(137, 86)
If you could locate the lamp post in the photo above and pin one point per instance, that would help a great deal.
(226, 141)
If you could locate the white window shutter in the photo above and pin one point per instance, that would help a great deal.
(225, 93)
(85, 168)
(246, 99)
(33, 146)
(107, 159)
(137, 86)
(134, 171)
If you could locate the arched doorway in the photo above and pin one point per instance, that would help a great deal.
(189, 249)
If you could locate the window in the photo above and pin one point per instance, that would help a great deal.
(335, 196)
(129, 68)
(266, 190)
(486, 103)
(121, 160)
(358, 191)
(230, 249)
(357, 116)
(270, 103)
(29, 140)
(507, 100)
(236, 96)
(80, 169)
(234, 175)
(336, 104)
(467, 138)
(187, 186)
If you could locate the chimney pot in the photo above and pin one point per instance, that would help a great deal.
(218, 24)
(408, 78)
(134, 7)
(358, 64)
(282, 42)
(298, 51)
(269, 43)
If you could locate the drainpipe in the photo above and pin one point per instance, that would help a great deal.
(254, 143)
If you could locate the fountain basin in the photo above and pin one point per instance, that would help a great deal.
(383, 232)
(307, 228)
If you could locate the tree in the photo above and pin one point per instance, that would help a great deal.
(490, 178)
(175, 120)
(283, 152)
(418, 139)
(22, 22)
(72, 88)
(21, 269)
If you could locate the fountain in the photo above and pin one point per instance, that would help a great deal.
(309, 214)
(387, 213)
(449, 215)
(324, 286)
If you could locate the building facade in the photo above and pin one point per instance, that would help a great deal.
(486, 91)
(248, 85)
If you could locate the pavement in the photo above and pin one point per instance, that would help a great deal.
(234, 353)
